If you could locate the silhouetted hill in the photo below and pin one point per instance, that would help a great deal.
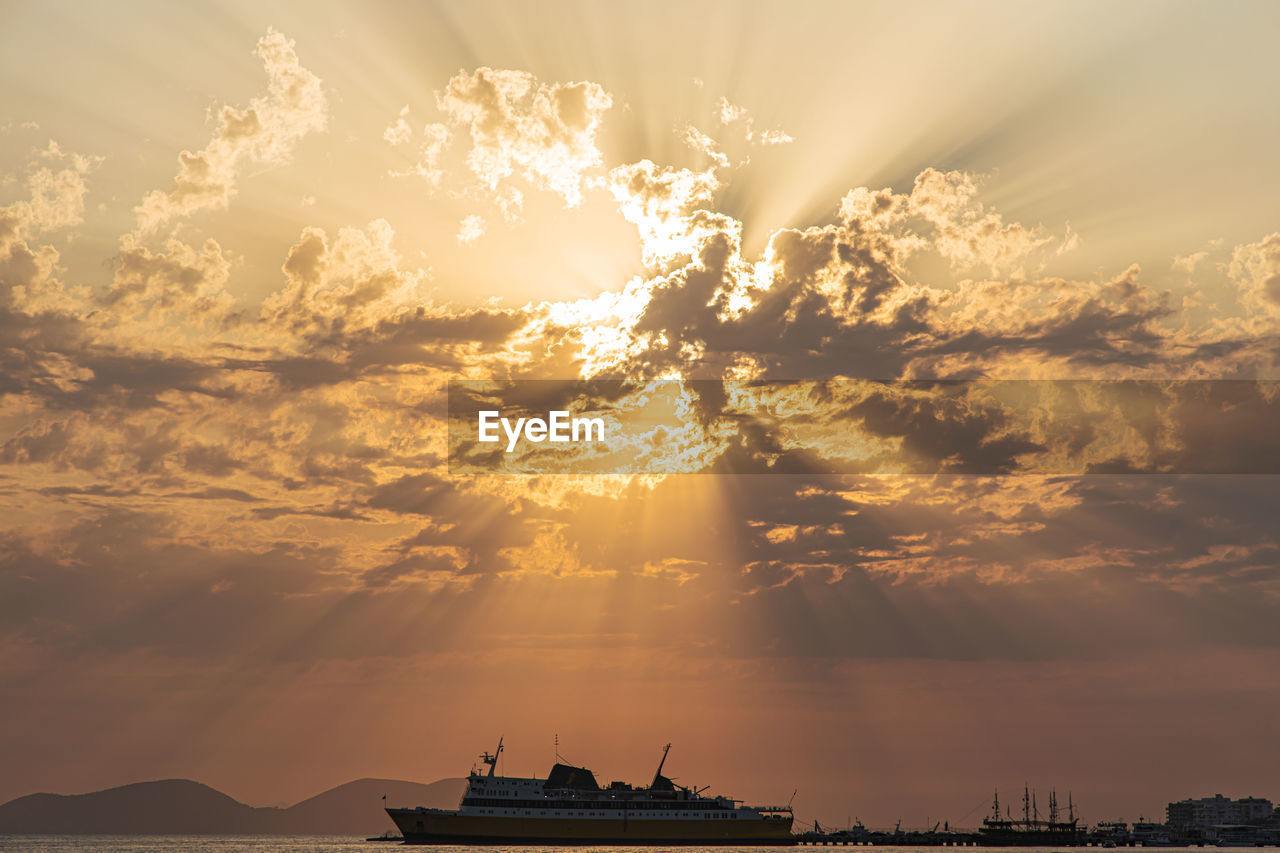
(183, 807)
(172, 806)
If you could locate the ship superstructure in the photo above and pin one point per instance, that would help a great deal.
(571, 807)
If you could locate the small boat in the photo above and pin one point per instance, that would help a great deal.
(389, 835)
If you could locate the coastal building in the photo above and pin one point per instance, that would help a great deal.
(1217, 811)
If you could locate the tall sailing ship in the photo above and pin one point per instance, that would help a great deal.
(570, 807)
(1030, 831)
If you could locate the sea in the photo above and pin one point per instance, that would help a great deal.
(346, 844)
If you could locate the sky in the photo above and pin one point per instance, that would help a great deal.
(244, 248)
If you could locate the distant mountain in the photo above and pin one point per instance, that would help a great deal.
(173, 806)
(183, 807)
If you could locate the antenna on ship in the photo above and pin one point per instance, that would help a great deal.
(557, 747)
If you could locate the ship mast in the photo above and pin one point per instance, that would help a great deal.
(492, 760)
(658, 775)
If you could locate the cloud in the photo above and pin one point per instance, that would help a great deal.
(265, 131)
(518, 126)
(845, 299)
(471, 230)
(399, 133)
(349, 282)
(660, 202)
(737, 136)
(705, 145)
(966, 232)
(56, 186)
(56, 197)
(1255, 267)
(957, 226)
(430, 153)
(181, 284)
(732, 115)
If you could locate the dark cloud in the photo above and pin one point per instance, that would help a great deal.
(417, 494)
(298, 373)
(340, 513)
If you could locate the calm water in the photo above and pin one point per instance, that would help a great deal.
(322, 844)
(312, 844)
(301, 844)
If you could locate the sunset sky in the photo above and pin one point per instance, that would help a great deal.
(243, 249)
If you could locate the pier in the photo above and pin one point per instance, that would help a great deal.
(865, 838)
(879, 839)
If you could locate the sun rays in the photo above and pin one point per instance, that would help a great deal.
(245, 251)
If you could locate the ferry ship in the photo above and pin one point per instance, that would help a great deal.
(570, 807)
